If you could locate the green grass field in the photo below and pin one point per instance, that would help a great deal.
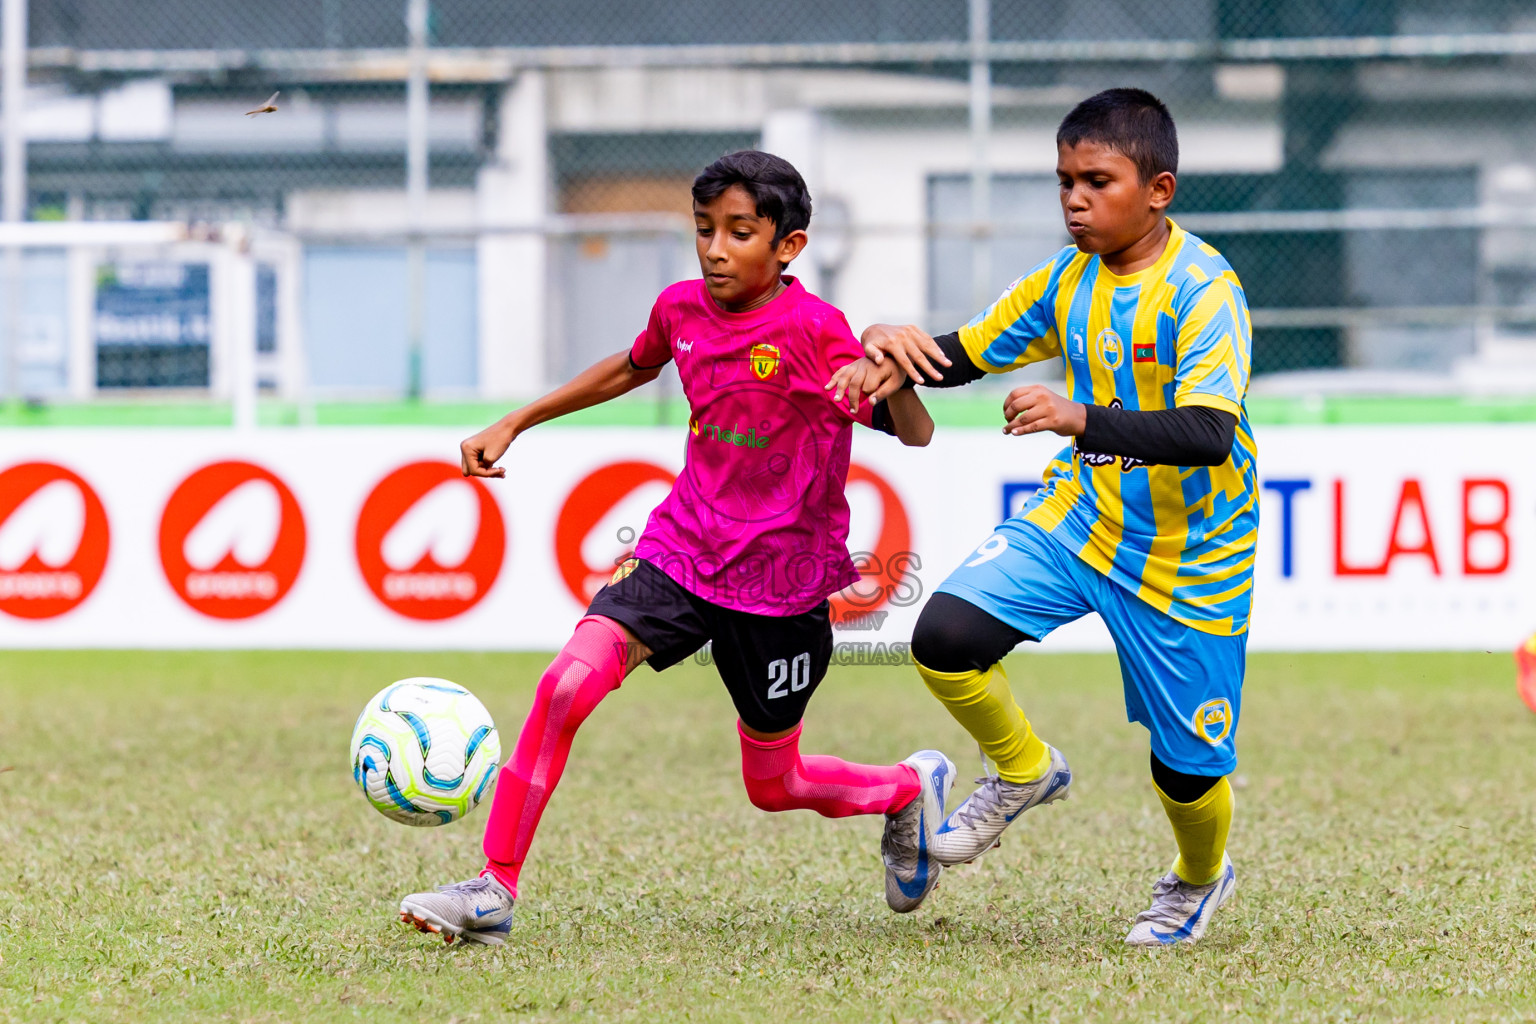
(180, 840)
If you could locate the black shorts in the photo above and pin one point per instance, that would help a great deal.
(770, 664)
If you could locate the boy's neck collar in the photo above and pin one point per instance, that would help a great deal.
(1155, 249)
(785, 284)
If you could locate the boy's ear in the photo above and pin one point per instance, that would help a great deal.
(1161, 190)
(790, 246)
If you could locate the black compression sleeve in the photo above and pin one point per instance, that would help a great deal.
(1193, 435)
(1180, 787)
(881, 420)
(963, 371)
(954, 635)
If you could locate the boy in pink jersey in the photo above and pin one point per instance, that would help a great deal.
(742, 553)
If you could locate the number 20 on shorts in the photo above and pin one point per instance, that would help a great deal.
(795, 674)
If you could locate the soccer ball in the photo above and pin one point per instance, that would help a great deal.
(424, 751)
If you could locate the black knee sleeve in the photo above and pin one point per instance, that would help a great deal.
(1177, 786)
(953, 635)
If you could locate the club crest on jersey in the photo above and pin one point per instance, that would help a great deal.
(1213, 720)
(626, 567)
(1111, 348)
(765, 361)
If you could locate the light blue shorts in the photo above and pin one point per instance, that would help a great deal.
(1185, 686)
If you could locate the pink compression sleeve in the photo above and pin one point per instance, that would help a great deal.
(590, 667)
(779, 779)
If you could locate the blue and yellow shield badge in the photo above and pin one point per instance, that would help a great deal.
(765, 361)
(1213, 720)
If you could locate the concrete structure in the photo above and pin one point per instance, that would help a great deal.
(559, 176)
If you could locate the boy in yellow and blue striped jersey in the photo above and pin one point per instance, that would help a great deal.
(1149, 518)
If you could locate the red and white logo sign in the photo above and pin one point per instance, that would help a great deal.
(430, 542)
(601, 520)
(53, 540)
(232, 540)
(884, 565)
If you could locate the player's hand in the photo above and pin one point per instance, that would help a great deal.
(862, 377)
(478, 454)
(911, 347)
(1035, 407)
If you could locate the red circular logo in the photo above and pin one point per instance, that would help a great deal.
(887, 565)
(430, 541)
(596, 495)
(53, 540)
(231, 540)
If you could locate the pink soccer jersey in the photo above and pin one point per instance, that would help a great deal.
(757, 521)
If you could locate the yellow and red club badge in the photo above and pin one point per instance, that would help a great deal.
(765, 361)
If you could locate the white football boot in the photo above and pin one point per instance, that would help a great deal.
(477, 910)
(976, 825)
(1180, 911)
(907, 844)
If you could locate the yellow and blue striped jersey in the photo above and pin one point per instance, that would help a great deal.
(1175, 334)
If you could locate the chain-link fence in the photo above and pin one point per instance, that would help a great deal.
(1367, 166)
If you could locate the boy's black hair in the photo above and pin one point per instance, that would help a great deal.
(772, 182)
(1130, 121)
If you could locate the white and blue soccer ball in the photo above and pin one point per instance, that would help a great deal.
(425, 751)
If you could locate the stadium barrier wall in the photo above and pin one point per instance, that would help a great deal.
(1371, 537)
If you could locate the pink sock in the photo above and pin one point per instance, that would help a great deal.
(587, 669)
(779, 779)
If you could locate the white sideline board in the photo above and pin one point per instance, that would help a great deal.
(367, 538)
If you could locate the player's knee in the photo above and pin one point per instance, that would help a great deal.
(953, 635)
(938, 644)
(768, 794)
(1181, 787)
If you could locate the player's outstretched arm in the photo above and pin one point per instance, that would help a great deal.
(910, 418)
(1188, 435)
(598, 383)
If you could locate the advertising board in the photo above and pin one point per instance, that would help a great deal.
(1370, 538)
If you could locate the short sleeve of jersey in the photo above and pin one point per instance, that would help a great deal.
(653, 348)
(839, 348)
(1214, 347)
(1020, 327)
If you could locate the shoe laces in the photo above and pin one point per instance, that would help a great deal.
(901, 837)
(470, 886)
(1170, 894)
(991, 796)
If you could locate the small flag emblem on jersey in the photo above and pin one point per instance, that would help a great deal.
(765, 361)
(1146, 353)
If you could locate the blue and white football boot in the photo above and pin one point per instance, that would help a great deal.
(479, 910)
(1180, 911)
(907, 845)
(975, 826)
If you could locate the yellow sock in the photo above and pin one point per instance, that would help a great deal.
(983, 703)
(1200, 829)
